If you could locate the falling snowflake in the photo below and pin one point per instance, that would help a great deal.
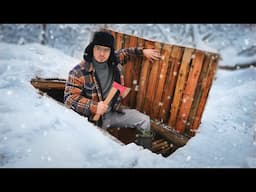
(246, 41)
(28, 150)
(188, 158)
(45, 133)
(49, 158)
(10, 92)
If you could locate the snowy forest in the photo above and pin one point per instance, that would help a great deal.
(37, 132)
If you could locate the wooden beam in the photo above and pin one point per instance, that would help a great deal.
(48, 84)
(170, 134)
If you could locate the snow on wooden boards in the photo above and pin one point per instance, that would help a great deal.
(48, 83)
(172, 91)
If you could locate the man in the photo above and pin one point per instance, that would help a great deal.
(90, 81)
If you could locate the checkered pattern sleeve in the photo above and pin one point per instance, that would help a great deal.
(73, 95)
(123, 55)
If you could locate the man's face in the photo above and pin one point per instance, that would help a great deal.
(101, 53)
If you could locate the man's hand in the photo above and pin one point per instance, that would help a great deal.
(102, 108)
(152, 54)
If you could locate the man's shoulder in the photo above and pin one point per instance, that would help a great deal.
(80, 68)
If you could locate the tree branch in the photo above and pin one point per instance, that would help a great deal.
(237, 66)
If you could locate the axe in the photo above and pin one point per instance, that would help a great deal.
(115, 87)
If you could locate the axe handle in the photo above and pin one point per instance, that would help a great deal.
(110, 96)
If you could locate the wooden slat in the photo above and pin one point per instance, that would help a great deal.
(143, 79)
(198, 94)
(136, 75)
(166, 51)
(127, 76)
(129, 68)
(206, 88)
(151, 88)
(189, 91)
(159, 146)
(119, 41)
(173, 68)
(180, 85)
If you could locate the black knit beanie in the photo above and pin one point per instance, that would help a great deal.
(100, 38)
(104, 39)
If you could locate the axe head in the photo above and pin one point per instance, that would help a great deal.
(123, 90)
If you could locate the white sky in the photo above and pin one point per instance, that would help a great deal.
(35, 131)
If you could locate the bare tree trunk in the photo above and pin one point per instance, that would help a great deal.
(43, 34)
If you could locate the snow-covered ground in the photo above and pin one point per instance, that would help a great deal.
(35, 131)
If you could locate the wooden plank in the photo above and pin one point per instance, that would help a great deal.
(170, 134)
(206, 88)
(188, 95)
(125, 44)
(136, 75)
(198, 94)
(166, 51)
(180, 85)
(48, 84)
(159, 146)
(173, 68)
(144, 79)
(157, 141)
(119, 41)
(151, 88)
(129, 68)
